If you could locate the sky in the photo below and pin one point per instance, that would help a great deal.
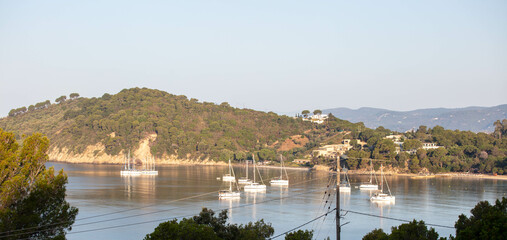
(281, 56)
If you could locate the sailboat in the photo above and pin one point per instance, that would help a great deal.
(128, 168)
(381, 196)
(228, 177)
(229, 193)
(149, 167)
(245, 180)
(369, 185)
(279, 180)
(254, 186)
(345, 185)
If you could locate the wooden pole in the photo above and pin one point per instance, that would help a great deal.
(338, 227)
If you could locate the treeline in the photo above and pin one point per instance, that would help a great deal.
(184, 127)
(190, 129)
(40, 105)
(458, 151)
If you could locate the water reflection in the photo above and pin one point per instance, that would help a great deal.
(140, 185)
(99, 189)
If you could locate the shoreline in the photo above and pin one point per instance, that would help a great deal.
(441, 175)
(315, 168)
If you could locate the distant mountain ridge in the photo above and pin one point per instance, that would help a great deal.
(475, 119)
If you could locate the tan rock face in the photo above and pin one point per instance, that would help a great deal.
(96, 154)
(92, 154)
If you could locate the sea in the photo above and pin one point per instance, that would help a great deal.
(112, 206)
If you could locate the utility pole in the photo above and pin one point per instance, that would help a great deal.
(338, 227)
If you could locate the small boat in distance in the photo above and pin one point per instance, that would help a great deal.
(229, 193)
(370, 185)
(254, 186)
(279, 180)
(345, 185)
(149, 167)
(129, 169)
(381, 196)
(228, 177)
(245, 180)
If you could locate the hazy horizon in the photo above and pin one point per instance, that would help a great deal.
(283, 56)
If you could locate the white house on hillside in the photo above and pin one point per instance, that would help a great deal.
(319, 118)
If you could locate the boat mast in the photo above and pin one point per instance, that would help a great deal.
(230, 183)
(281, 167)
(381, 179)
(253, 162)
(246, 169)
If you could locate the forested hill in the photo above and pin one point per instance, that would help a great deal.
(184, 127)
(174, 128)
(475, 119)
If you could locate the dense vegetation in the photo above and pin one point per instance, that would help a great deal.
(207, 226)
(486, 222)
(186, 128)
(32, 198)
(460, 151)
(189, 129)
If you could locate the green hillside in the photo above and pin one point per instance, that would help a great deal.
(189, 129)
(185, 127)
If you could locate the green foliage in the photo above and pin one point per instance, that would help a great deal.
(61, 99)
(299, 235)
(207, 226)
(31, 195)
(413, 231)
(184, 128)
(74, 95)
(486, 222)
(188, 129)
(376, 234)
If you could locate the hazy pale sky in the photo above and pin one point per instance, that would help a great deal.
(281, 56)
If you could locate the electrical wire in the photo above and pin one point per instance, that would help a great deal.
(315, 219)
(100, 215)
(24, 233)
(391, 218)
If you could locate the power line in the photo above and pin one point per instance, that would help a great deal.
(25, 233)
(96, 216)
(315, 219)
(391, 218)
(107, 214)
(165, 219)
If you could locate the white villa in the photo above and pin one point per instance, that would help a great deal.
(334, 150)
(319, 118)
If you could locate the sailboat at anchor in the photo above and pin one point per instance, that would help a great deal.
(279, 180)
(229, 193)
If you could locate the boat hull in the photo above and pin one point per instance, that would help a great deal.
(382, 198)
(279, 182)
(228, 178)
(368, 187)
(130, 173)
(244, 181)
(229, 195)
(255, 188)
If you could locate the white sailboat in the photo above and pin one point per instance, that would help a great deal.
(279, 180)
(381, 196)
(128, 168)
(228, 177)
(245, 180)
(255, 186)
(345, 185)
(149, 167)
(370, 185)
(229, 193)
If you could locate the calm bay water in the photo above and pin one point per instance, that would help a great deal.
(115, 207)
